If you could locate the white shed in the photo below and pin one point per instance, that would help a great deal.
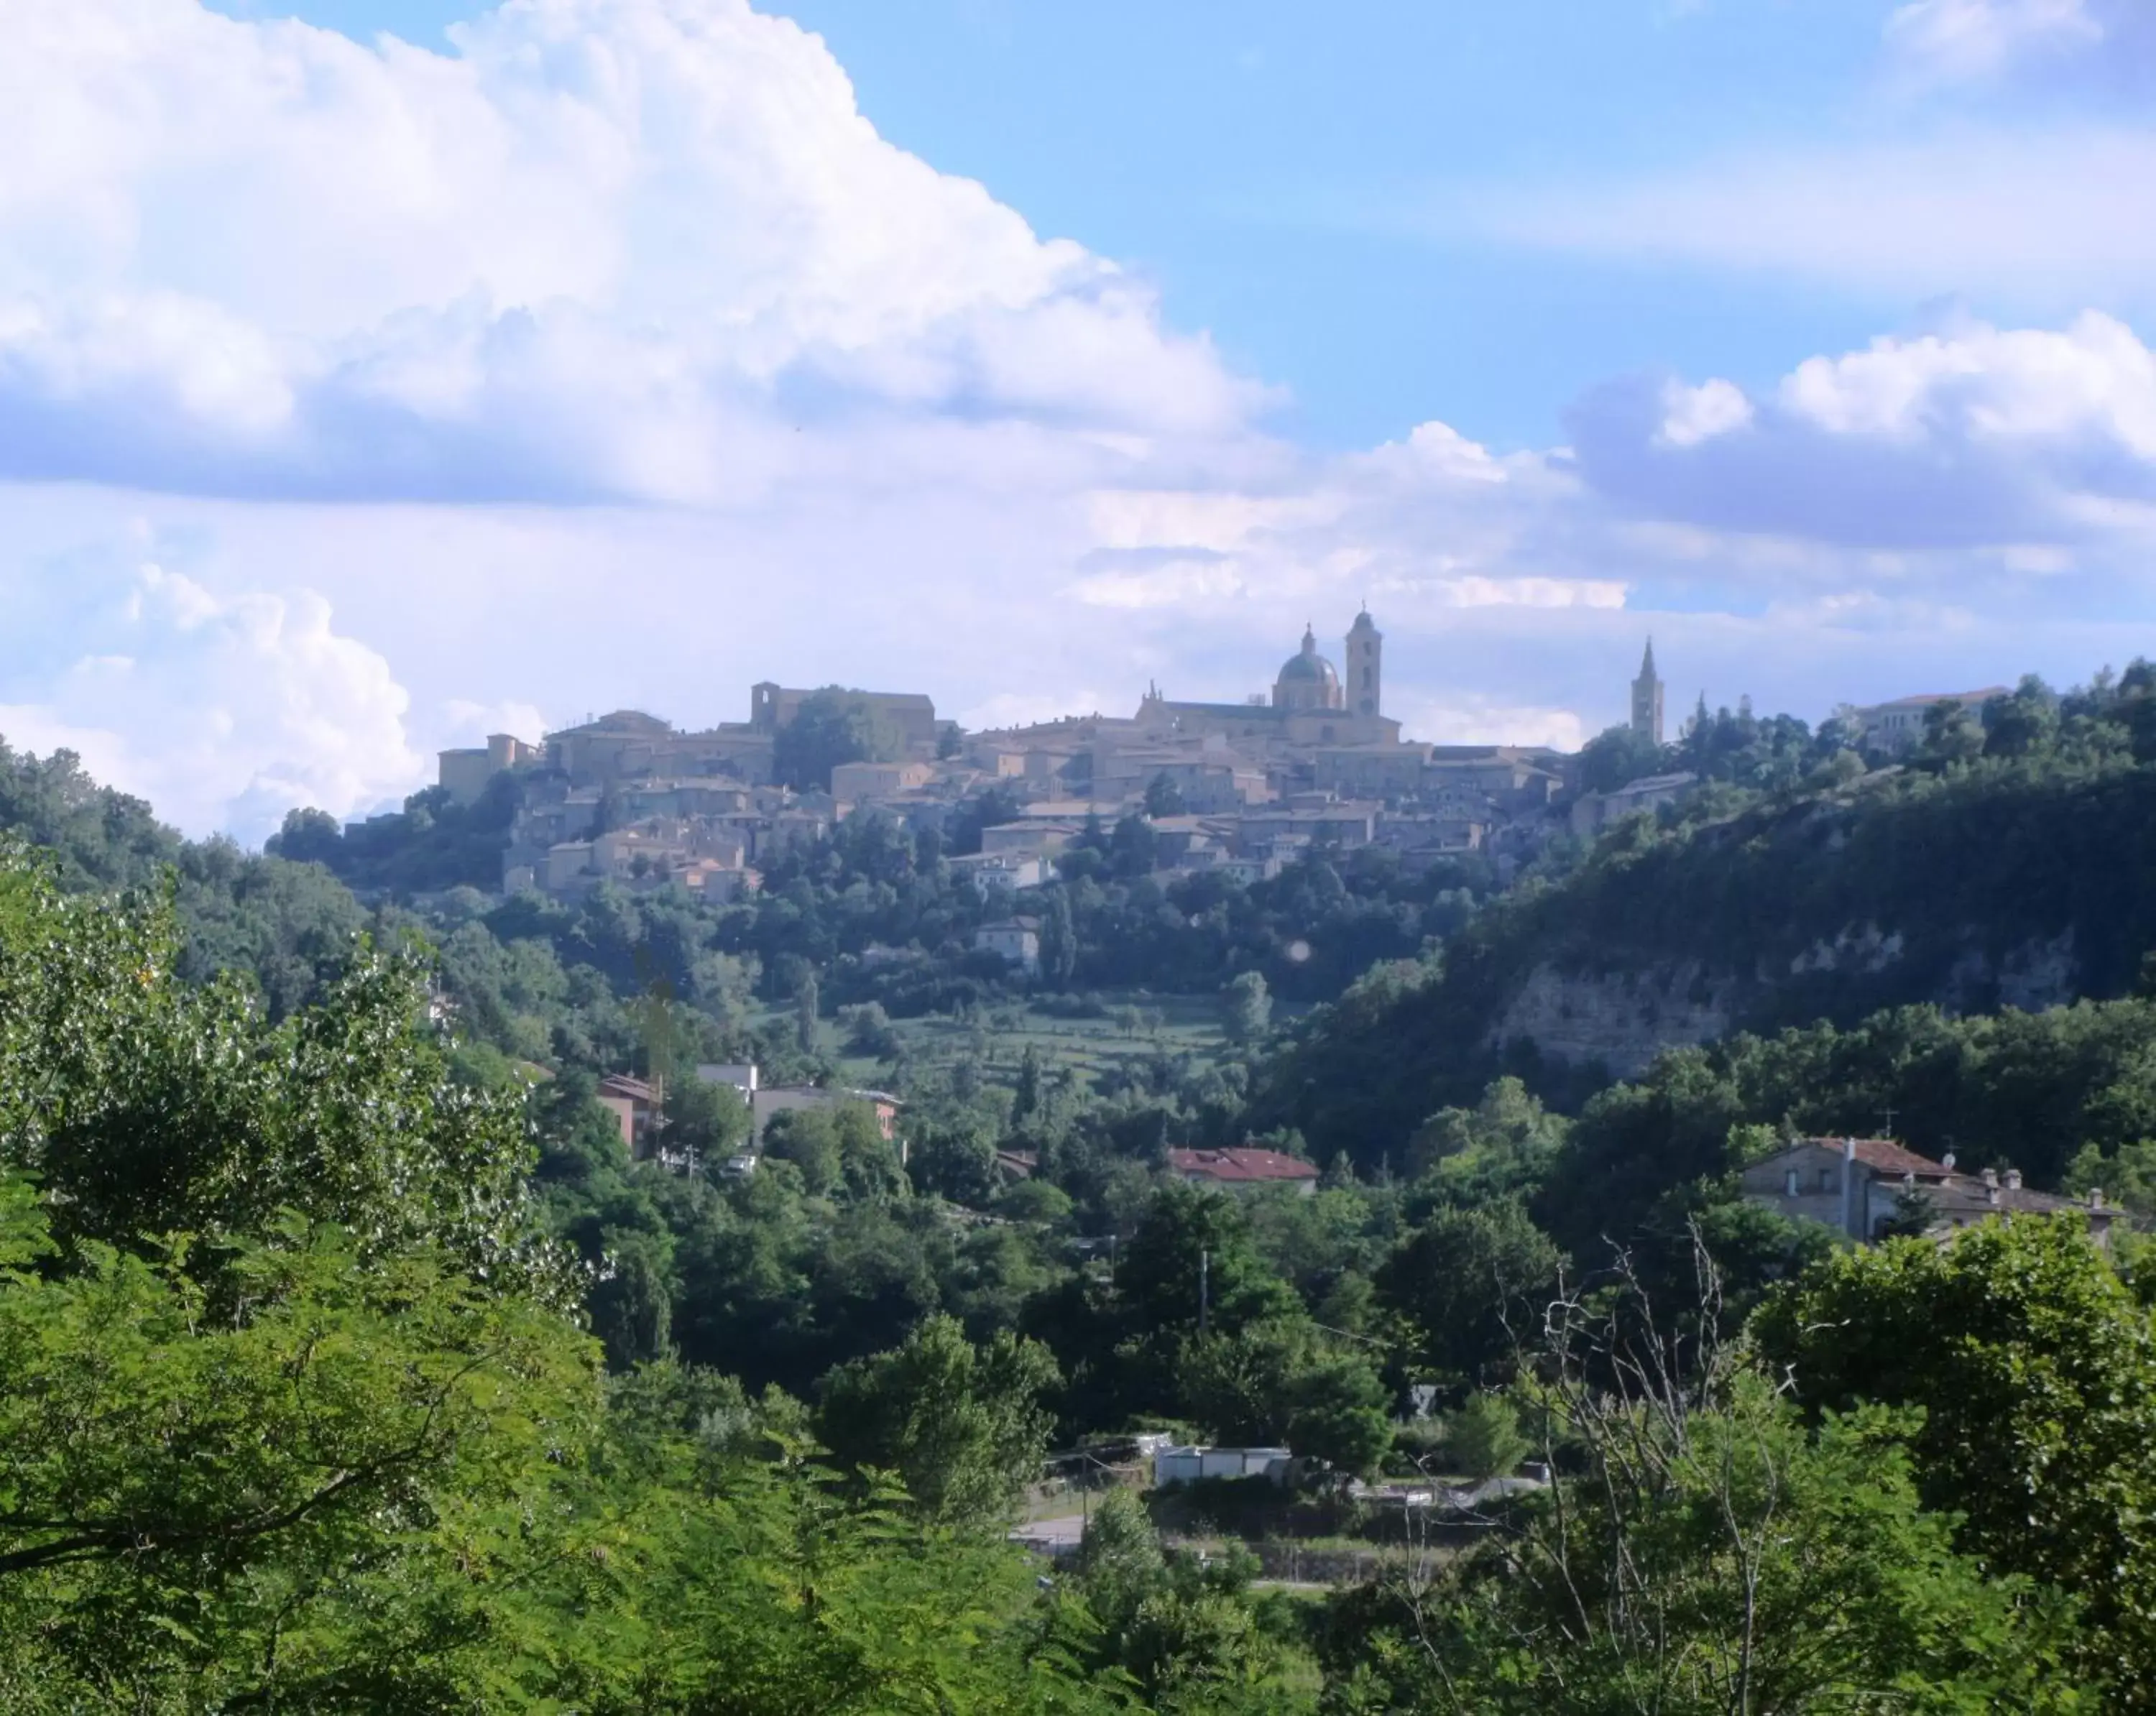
(1187, 1465)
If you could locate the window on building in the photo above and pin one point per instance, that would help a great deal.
(1789, 1183)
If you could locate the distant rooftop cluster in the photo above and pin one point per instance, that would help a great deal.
(1237, 789)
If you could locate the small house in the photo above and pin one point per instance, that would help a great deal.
(1243, 1169)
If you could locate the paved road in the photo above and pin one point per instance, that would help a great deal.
(1064, 1531)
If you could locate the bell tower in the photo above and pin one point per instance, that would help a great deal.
(1647, 699)
(1366, 659)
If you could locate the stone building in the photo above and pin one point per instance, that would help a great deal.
(1016, 941)
(1860, 1186)
(1309, 705)
(464, 774)
(1900, 725)
(772, 707)
(630, 745)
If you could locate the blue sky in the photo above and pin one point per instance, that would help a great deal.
(362, 392)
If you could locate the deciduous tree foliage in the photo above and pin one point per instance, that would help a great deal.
(299, 1422)
(1715, 1556)
(226, 1475)
(1471, 1285)
(833, 726)
(2035, 1370)
(147, 1105)
(962, 1426)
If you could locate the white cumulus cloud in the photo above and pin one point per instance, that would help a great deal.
(1978, 435)
(224, 713)
(602, 249)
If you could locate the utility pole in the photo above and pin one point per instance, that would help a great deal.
(1204, 1289)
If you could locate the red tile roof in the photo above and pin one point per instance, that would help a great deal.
(1884, 1157)
(1240, 1166)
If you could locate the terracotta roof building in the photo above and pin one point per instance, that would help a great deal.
(1242, 1169)
(635, 1106)
(1861, 1186)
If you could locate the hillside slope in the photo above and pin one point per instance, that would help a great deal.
(2010, 882)
(288, 926)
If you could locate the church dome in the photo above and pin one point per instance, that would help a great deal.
(1308, 667)
(1307, 680)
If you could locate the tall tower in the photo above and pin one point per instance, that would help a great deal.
(1366, 659)
(1647, 699)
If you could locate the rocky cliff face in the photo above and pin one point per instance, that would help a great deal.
(1623, 1020)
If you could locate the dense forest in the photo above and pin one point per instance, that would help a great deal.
(298, 1414)
(2001, 865)
(349, 1362)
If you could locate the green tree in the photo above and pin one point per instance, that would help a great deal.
(1184, 1632)
(148, 1105)
(221, 1465)
(1193, 1245)
(962, 1426)
(869, 1030)
(1285, 1383)
(1716, 1553)
(953, 1155)
(1026, 1099)
(1482, 1439)
(704, 1119)
(631, 1299)
(1952, 733)
(1246, 1007)
(2036, 1370)
(1618, 757)
(831, 727)
(326, 1449)
(838, 1149)
(1162, 798)
(2023, 722)
(1502, 1146)
(1728, 1561)
(1059, 940)
(1473, 1285)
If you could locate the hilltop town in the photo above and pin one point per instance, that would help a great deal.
(1235, 789)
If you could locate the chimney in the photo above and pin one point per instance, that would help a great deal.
(2013, 1179)
(1849, 1149)
(2096, 1197)
(1991, 1181)
(1946, 1161)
